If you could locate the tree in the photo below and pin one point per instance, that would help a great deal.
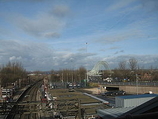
(122, 69)
(11, 73)
(133, 64)
(122, 65)
(67, 75)
(82, 72)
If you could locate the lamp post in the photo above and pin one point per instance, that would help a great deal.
(0, 89)
(137, 83)
(72, 68)
(136, 80)
(87, 65)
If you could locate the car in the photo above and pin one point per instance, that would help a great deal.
(121, 92)
(108, 79)
(109, 93)
(78, 85)
(71, 89)
(114, 93)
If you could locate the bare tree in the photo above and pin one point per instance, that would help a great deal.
(133, 64)
(68, 75)
(122, 65)
(82, 72)
(122, 71)
(11, 73)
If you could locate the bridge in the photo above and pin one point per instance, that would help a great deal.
(96, 69)
(138, 87)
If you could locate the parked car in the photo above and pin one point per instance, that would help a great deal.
(109, 93)
(121, 92)
(114, 93)
(108, 79)
(71, 89)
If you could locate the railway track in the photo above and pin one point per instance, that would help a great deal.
(30, 97)
(22, 109)
(68, 104)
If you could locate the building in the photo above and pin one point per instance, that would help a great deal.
(147, 110)
(131, 104)
(132, 100)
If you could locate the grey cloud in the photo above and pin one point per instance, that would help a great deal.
(150, 5)
(38, 56)
(121, 50)
(23, 0)
(70, 60)
(51, 34)
(119, 4)
(31, 55)
(42, 24)
(112, 48)
(82, 49)
(61, 11)
(117, 52)
(14, 58)
(144, 61)
(117, 36)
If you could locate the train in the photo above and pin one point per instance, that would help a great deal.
(7, 94)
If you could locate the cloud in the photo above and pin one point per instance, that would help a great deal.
(61, 11)
(143, 61)
(51, 34)
(114, 47)
(82, 49)
(117, 52)
(43, 24)
(150, 5)
(31, 55)
(38, 56)
(14, 58)
(23, 0)
(119, 5)
(118, 35)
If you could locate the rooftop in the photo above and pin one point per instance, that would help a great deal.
(113, 112)
(138, 96)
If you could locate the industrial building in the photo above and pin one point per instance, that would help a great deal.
(131, 105)
(132, 100)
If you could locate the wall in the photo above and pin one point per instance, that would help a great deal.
(128, 89)
(140, 89)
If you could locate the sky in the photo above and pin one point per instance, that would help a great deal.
(67, 34)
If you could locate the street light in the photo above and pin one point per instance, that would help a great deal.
(71, 59)
(87, 65)
(136, 80)
(137, 83)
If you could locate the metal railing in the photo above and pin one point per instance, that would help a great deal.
(129, 83)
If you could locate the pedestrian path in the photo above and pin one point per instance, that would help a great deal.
(103, 101)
